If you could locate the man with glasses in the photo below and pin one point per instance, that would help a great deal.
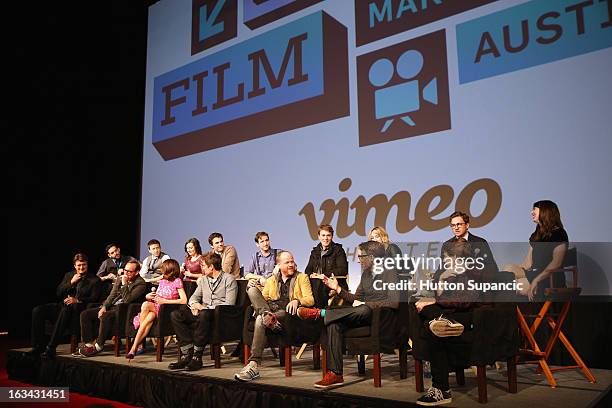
(129, 288)
(371, 293)
(460, 225)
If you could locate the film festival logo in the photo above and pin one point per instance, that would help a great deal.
(216, 21)
(212, 22)
(403, 90)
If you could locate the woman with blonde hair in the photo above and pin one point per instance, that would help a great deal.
(379, 234)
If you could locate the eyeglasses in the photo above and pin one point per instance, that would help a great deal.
(127, 270)
(457, 225)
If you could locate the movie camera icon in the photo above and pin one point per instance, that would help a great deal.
(398, 100)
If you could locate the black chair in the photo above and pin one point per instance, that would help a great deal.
(494, 336)
(228, 322)
(162, 327)
(380, 336)
(72, 332)
(296, 332)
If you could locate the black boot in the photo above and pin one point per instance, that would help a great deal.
(183, 361)
(49, 353)
(196, 361)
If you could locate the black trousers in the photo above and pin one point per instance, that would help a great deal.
(64, 316)
(338, 320)
(440, 347)
(192, 329)
(93, 328)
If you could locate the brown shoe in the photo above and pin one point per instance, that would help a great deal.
(329, 379)
(308, 313)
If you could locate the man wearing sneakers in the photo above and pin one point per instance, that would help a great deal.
(444, 325)
(365, 299)
(129, 288)
(215, 288)
(283, 294)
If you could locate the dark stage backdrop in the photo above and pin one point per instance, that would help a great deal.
(72, 162)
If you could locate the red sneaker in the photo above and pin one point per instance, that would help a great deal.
(330, 378)
(308, 313)
(270, 320)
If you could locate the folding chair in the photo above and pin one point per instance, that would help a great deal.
(553, 294)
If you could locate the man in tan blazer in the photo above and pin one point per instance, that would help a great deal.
(229, 257)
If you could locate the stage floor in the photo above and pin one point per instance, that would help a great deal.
(533, 390)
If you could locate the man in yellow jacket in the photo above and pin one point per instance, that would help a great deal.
(283, 293)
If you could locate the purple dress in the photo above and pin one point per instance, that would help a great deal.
(167, 290)
(193, 267)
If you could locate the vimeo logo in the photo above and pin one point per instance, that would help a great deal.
(403, 90)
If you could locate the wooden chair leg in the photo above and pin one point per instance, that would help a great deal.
(116, 345)
(572, 351)
(535, 349)
(316, 356)
(512, 375)
(128, 344)
(288, 351)
(159, 349)
(247, 354)
(403, 360)
(361, 364)
(418, 375)
(216, 354)
(377, 380)
(482, 384)
(460, 376)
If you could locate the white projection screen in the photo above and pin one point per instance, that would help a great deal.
(277, 115)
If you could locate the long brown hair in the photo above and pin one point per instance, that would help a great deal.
(549, 220)
(170, 269)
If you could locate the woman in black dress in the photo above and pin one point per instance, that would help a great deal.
(547, 247)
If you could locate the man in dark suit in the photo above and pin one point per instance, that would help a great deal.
(128, 288)
(460, 225)
(75, 291)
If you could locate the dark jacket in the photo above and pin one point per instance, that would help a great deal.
(86, 290)
(109, 265)
(374, 297)
(461, 299)
(393, 251)
(481, 248)
(131, 293)
(334, 261)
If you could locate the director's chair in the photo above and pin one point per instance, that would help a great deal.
(553, 294)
